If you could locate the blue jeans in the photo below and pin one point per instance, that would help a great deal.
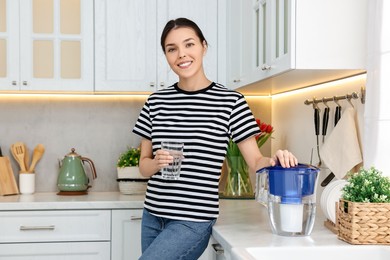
(170, 239)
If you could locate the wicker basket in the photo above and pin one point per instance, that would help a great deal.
(363, 223)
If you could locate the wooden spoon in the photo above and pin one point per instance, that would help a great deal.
(39, 150)
(26, 156)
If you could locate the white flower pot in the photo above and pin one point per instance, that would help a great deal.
(130, 173)
(131, 181)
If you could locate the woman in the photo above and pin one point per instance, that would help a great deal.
(179, 214)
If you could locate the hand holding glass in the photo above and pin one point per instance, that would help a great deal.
(175, 149)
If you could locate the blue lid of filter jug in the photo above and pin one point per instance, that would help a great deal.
(293, 183)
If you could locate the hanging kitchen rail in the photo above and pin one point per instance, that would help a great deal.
(353, 95)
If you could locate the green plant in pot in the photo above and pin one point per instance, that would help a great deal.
(129, 158)
(127, 164)
(367, 186)
(364, 208)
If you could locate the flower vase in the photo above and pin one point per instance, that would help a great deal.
(238, 184)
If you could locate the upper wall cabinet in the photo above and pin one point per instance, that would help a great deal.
(279, 45)
(128, 53)
(46, 45)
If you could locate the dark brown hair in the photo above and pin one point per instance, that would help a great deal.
(178, 23)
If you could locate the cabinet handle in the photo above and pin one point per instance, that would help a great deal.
(14, 83)
(266, 67)
(151, 84)
(236, 80)
(162, 84)
(218, 249)
(27, 228)
(135, 218)
(24, 83)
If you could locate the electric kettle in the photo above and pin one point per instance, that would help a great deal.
(290, 197)
(72, 177)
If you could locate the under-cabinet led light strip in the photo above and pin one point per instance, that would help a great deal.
(111, 96)
(322, 85)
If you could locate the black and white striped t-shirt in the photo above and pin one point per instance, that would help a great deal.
(204, 121)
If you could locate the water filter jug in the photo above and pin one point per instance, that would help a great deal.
(290, 197)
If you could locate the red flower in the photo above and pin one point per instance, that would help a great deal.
(266, 131)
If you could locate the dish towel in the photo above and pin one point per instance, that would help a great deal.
(341, 150)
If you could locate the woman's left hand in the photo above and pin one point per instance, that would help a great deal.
(285, 158)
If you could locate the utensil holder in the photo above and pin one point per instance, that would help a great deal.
(26, 183)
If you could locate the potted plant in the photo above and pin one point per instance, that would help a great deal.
(127, 165)
(364, 208)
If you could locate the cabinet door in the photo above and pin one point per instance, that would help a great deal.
(56, 45)
(125, 42)
(53, 251)
(205, 14)
(260, 35)
(126, 234)
(279, 42)
(9, 44)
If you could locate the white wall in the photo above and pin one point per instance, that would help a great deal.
(294, 121)
(377, 113)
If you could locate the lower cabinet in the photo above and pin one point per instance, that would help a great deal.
(70, 234)
(51, 251)
(75, 234)
(214, 251)
(126, 234)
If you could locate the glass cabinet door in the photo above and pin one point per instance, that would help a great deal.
(273, 28)
(9, 44)
(57, 45)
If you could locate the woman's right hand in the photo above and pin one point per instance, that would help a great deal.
(162, 158)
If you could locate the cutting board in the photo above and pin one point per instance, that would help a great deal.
(8, 184)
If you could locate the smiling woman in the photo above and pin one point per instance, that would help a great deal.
(203, 115)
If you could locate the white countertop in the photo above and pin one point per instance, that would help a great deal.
(52, 201)
(244, 225)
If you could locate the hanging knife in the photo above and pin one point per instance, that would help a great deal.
(325, 120)
(317, 129)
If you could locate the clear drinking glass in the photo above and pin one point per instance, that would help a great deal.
(172, 171)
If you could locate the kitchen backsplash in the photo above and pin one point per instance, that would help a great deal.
(98, 127)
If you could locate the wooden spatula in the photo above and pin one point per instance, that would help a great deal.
(20, 153)
(17, 150)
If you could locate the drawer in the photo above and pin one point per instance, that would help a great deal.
(52, 226)
(50, 251)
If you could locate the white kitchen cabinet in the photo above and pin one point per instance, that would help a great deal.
(128, 53)
(54, 251)
(205, 14)
(286, 44)
(84, 234)
(214, 251)
(126, 234)
(46, 45)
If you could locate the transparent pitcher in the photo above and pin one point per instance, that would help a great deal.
(290, 197)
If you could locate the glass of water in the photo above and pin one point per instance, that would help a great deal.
(175, 149)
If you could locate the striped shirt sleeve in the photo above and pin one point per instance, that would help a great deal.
(143, 126)
(242, 122)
